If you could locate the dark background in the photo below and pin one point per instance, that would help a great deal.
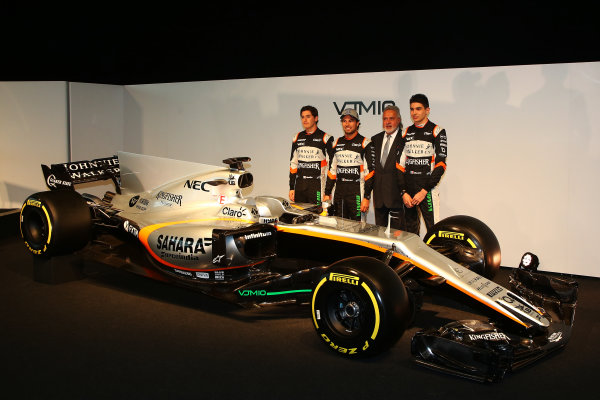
(137, 44)
(114, 335)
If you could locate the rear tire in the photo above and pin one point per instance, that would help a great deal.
(469, 242)
(55, 222)
(360, 307)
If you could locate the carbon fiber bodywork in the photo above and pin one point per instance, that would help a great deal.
(484, 351)
(192, 224)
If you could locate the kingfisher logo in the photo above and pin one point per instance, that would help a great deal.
(452, 235)
(489, 336)
(375, 107)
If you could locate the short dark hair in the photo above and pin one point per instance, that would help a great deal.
(313, 110)
(419, 98)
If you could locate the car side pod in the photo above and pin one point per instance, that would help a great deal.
(483, 351)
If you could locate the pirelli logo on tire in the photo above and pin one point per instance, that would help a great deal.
(342, 278)
(451, 235)
(34, 203)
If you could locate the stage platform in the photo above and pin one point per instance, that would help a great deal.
(115, 335)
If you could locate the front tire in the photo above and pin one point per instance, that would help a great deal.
(56, 222)
(469, 242)
(360, 307)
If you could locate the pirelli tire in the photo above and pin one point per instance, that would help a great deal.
(469, 242)
(55, 222)
(360, 307)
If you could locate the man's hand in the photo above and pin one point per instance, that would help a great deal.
(407, 200)
(364, 205)
(419, 197)
(292, 194)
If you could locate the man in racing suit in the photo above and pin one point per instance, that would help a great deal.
(351, 170)
(311, 150)
(421, 162)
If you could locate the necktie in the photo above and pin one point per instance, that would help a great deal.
(386, 149)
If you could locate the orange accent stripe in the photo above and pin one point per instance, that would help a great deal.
(362, 168)
(369, 175)
(440, 164)
(383, 250)
(296, 137)
(323, 163)
(336, 238)
(400, 167)
(331, 175)
(146, 231)
(293, 170)
(500, 310)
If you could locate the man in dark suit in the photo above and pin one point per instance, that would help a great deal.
(386, 192)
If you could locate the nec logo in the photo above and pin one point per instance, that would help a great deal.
(375, 107)
(196, 185)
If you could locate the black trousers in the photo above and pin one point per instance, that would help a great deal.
(397, 220)
(308, 191)
(426, 208)
(347, 206)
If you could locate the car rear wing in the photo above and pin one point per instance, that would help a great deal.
(67, 175)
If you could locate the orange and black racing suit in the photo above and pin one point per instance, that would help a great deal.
(308, 165)
(351, 172)
(421, 162)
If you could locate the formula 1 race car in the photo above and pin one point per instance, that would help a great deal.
(191, 224)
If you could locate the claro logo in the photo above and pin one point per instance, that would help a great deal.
(375, 107)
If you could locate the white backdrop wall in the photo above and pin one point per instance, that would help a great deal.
(96, 120)
(33, 130)
(45, 123)
(523, 141)
(96, 126)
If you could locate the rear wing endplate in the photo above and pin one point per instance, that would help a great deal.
(66, 175)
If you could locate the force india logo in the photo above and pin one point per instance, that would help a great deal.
(52, 181)
(349, 279)
(451, 235)
(130, 228)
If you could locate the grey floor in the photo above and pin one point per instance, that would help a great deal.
(116, 335)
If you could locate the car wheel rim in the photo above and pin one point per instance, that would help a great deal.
(346, 312)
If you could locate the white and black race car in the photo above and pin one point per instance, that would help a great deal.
(191, 224)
